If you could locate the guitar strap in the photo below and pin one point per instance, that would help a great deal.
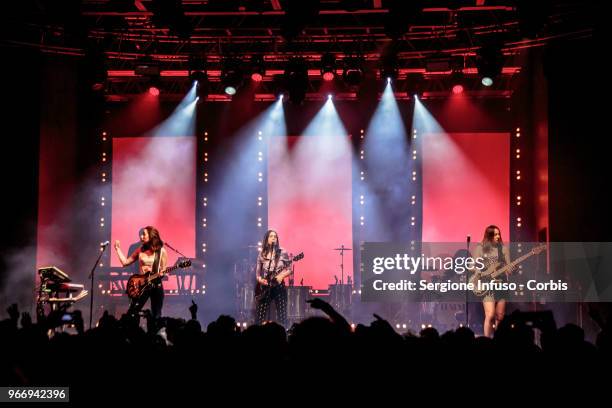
(501, 258)
(156, 261)
(155, 268)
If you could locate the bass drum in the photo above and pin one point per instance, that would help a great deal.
(297, 308)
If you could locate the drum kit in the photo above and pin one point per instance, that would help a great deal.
(340, 293)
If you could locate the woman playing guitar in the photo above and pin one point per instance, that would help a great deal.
(272, 263)
(492, 249)
(151, 248)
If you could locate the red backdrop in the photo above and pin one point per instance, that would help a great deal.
(466, 185)
(154, 184)
(309, 193)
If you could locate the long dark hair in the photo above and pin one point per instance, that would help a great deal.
(265, 248)
(490, 233)
(155, 243)
(487, 240)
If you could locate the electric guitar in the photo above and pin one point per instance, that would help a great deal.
(261, 291)
(139, 283)
(490, 273)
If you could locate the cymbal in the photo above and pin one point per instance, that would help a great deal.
(341, 249)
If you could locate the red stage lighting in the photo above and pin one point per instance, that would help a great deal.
(328, 76)
(458, 89)
(153, 91)
(256, 76)
(328, 66)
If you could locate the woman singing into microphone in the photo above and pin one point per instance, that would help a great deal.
(272, 261)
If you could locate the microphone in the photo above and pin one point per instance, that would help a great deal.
(105, 244)
(336, 278)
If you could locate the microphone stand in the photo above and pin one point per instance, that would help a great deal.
(180, 281)
(175, 250)
(467, 306)
(341, 265)
(91, 275)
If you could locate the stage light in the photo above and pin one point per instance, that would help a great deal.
(95, 68)
(458, 89)
(197, 74)
(329, 97)
(232, 75)
(257, 68)
(296, 80)
(153, 91)
(353, 71)
(389, 63)
(487, 81)
(489, 62)
(328, 66)
(201, 82)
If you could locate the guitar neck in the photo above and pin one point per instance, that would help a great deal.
(512, 264)
(165, 271)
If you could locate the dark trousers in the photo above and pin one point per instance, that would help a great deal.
(156, 293)
(278, 294)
